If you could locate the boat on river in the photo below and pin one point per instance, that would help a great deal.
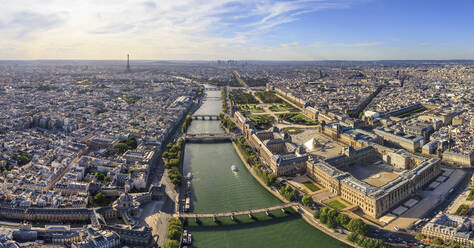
(187, 238)
(189, 176)
(234, 168)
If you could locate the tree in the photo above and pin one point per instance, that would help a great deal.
(173, 233)
(452, 244)
(271, 179)
(186, 123)
(342, 219)
(353, 237)
(325, 210)
(358, 226)
(419, 236)
(175, 222)
(437, 241)
(173, 162)
(323, 217)
(100, 198)
(288, 193)
(22, 158)
(317, 214)
(121, 147)
(171, 244)
(175, 176)
(307, 200)
(165, 155)
(330, 222)
(175, 229)
(100, 176)
(332, 213)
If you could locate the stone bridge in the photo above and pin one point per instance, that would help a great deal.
(213, 89)
(236, 213)
(205, 117)
(208, 137)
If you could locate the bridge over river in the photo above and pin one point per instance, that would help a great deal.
(205, 117)
(213, 89)
(208, 137)
(236, 213)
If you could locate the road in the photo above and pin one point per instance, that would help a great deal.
(156, 214)
(51, 185)
(242, 82)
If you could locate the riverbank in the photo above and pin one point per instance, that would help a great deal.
(306, 216)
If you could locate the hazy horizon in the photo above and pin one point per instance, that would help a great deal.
(247, 60)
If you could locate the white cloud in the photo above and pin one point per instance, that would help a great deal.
(290, 45)
(151, 29)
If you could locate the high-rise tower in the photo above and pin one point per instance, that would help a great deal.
(128, 63)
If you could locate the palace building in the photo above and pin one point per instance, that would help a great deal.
(275, 148)
(375, 178)
(451, 227)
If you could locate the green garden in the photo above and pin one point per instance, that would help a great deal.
(297, 118)
(262, 122)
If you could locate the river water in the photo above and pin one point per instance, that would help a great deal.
(216, 188)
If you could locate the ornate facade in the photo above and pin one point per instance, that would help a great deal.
(374, 201)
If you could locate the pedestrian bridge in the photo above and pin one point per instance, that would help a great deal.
(208, 137)
(236, 213)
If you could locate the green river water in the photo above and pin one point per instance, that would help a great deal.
(216, 188)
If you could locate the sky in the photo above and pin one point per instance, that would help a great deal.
(239, 30)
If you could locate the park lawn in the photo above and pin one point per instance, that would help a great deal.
(268, 97)
(258, 110)
(282, 107)
(311, 186)
(291, 130)
(336, 205)
(241, 97)
(463, 210)
(247, 109)
(297, 118)
(470, 197)
(346, 202)
(410, 113)
(262, 121)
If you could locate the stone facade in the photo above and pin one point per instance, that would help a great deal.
(373, 201)
(274, 147)
(451, 227)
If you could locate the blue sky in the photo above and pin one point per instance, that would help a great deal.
(228, 29)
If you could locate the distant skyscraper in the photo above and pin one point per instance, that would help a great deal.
(128, 63)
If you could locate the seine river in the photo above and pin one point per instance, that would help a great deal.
(217, 189)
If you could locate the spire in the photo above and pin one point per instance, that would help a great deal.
(128, 63)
